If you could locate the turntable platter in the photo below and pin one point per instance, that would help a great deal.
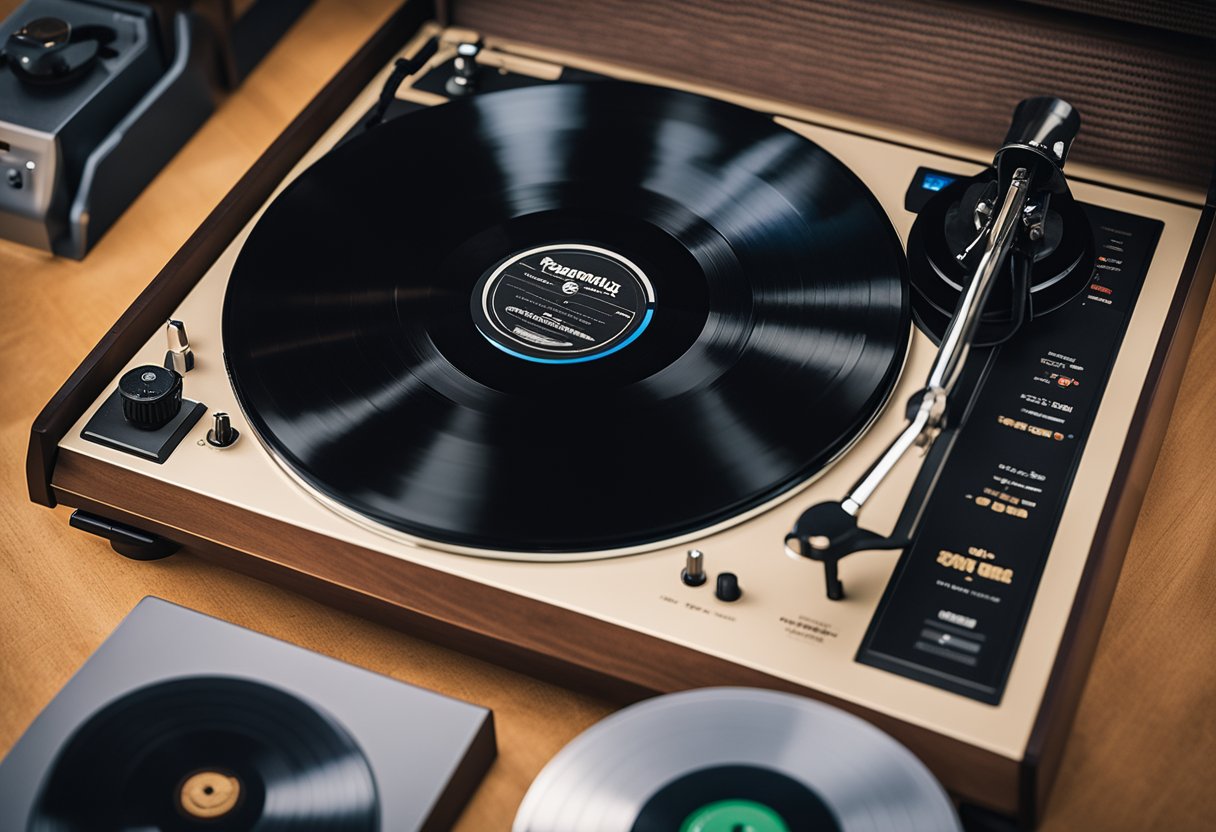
(566, 318)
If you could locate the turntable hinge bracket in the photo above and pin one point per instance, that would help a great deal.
(128, 541)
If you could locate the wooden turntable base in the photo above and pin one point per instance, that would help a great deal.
(1140, 755)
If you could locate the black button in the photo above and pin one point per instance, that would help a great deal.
(728, 587)
(45, 32)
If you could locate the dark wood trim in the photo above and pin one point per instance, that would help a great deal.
(501, 627)
(157, 302)
(1150, 420)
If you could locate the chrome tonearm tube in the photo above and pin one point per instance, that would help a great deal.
(926, 421)
(1028, 168)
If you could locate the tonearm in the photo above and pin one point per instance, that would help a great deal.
(1009, 215)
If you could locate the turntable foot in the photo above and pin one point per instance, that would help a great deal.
(127, 541)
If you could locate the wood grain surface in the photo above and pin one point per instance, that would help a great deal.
(1143, 750)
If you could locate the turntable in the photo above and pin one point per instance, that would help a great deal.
(637, 385)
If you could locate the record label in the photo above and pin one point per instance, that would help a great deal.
(563, 303)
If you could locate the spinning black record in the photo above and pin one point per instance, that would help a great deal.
(209, 753)
(567, 317)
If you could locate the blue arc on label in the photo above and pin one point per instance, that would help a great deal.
(582, 359)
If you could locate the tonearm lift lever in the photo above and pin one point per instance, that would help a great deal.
(1028, 170)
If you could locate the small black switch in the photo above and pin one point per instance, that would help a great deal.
(728, 587)
(151, 396)
(15, 179)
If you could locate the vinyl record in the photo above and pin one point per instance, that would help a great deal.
(209, 753)
(723, 759)
(566, 318)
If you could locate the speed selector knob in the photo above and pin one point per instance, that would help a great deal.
(222, 433)
(151, 396)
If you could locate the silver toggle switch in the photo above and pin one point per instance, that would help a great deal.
(694, 568)
(179, 356)
(222, 433)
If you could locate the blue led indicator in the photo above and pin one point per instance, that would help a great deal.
(580, 359)
(935, 181)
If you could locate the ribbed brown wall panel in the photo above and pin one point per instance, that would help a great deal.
(956, 69)
(1193, 17)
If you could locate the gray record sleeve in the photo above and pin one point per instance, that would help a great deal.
(427, 752)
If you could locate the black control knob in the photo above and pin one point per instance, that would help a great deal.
(222, 433)
(151, 396)
(728, 587)
(49, 50)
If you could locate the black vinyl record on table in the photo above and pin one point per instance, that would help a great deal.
(209, 753)
(566, 318)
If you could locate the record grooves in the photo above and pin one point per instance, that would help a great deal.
(209, 753)
(727, 759)
(735, 312)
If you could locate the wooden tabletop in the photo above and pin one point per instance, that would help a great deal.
(1143, 750)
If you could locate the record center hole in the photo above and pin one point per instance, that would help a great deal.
(209, 794)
